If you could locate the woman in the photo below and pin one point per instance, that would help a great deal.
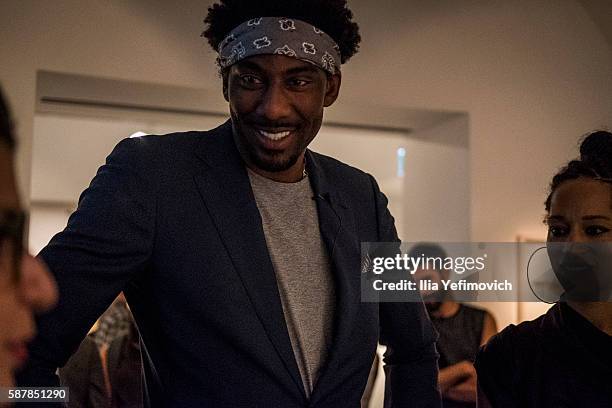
(563, 358)
(25, 285)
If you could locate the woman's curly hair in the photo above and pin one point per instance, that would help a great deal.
(595, 162)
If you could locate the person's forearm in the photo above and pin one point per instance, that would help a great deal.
(450, 376)
(465, 391)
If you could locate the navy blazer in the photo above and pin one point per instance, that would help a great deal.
(172, 221)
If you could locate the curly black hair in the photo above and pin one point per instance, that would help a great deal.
(595, 162)
(332, 16)
(6, 124)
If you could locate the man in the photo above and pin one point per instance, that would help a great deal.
(462, 329)
(238, 249)
(25, 284)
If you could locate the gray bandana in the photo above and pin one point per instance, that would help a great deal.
(283, 36)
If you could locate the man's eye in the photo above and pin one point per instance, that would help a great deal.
(250, 80)
(299, 83)
(594, 230)
(557, 231)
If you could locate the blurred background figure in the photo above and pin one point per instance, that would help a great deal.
(106, 370)
(85, 376)
(25, 284)
(564, 357)
(462, 330)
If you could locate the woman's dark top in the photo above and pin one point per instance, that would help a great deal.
(557, 360)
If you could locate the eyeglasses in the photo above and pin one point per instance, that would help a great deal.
(12, 223)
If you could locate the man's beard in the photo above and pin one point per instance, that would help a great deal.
(276, 164)
(434, 301)
(270, 161)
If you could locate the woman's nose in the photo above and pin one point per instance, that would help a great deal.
(37, 287)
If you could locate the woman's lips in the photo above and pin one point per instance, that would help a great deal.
(19, 351)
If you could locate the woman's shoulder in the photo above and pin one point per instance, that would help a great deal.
(508, 358)
(529, 333)
(528, 337)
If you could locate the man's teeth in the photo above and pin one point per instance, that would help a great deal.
(275, 135)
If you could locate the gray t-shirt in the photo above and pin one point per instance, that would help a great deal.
(302, 267)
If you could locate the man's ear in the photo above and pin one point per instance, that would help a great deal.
(224, 76)
(333, 89)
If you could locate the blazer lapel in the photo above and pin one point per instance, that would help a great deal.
(227, 193)
(337, 227)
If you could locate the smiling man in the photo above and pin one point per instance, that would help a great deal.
(238, 248)
(276, 105)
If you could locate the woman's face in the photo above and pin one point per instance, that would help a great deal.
(23, 292)
(580, 238)
(581, 211)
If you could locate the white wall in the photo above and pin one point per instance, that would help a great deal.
(533, 76)
(46, 220)
(437, 184)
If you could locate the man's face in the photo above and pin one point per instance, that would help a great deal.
(276, 105)
(432, 298)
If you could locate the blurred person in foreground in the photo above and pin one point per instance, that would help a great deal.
(564, 357)
(462, 329)
(238, 249)
(25, 284)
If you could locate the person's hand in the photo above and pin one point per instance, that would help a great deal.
(467, 370)
(466, 389)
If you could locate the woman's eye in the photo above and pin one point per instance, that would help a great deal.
(594, 230)
(557, 231)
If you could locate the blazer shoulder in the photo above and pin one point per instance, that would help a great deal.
(170, 151)
(346, 174)
(166, 143)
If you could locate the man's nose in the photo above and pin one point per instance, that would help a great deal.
(275, 103)
(37, 287)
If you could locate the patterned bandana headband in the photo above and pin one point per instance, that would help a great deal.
(282, 36)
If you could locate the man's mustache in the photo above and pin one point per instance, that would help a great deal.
(271, 125)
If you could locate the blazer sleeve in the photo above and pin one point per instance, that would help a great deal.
(107, 242)
(411, 359)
